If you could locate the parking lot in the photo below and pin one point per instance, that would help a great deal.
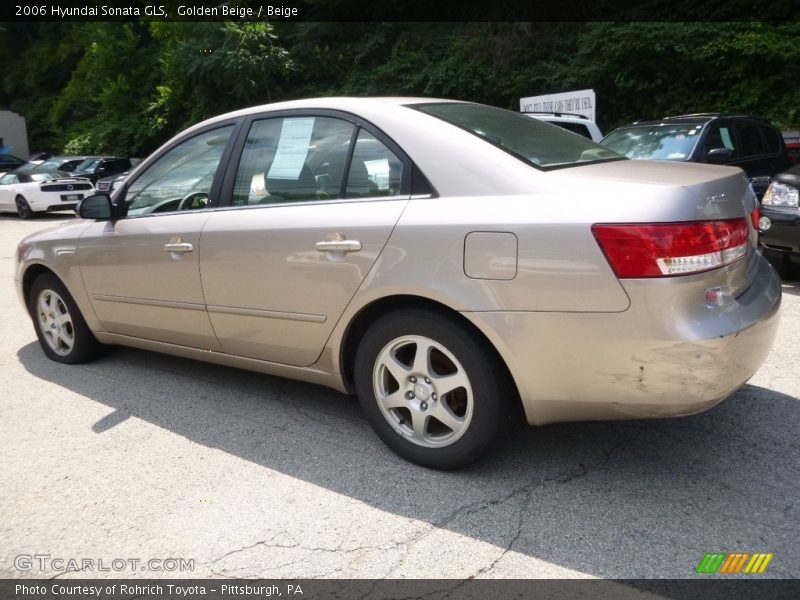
(143, 456)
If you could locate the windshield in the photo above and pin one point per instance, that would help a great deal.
(539, 144)
(49, 164)
(667, 142)
(88, 165)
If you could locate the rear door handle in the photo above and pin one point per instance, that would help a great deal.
(339, 246)
(178, 247)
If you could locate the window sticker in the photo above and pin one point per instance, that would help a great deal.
(292, 149)
(726, 137)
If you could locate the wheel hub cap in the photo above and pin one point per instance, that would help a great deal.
(421, 391)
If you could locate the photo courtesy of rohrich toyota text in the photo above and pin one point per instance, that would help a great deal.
(350, 300)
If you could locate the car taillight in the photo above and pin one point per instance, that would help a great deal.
(664, 249)
(755, 215)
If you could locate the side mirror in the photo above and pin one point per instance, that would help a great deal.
(100, 207)
(719, 156)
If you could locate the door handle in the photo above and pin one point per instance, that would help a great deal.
(339, 246)
(178, 247)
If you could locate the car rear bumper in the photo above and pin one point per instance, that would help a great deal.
(655, 359)
(61, 207)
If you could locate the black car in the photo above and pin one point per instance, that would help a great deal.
(9, 162)
(97, 167)
(780, 220)
(744, 141)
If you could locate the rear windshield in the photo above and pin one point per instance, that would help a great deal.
(665, 142)
(539, 144)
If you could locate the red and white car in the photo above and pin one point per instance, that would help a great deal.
(29, 193)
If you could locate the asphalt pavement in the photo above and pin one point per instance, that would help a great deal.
(147, 457)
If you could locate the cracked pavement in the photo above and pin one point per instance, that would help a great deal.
(140, 455)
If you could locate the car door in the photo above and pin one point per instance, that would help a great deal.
(313, 200)
(754, 154)
(6, 190)
(142, 271)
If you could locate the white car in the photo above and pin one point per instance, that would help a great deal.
(575, 123)
(29, 193)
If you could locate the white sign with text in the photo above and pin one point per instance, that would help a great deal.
(580, 102)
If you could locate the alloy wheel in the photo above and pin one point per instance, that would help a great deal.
(55, 322)
(423, 391)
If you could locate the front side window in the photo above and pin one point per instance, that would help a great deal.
(181, 179)
(719, 137)
(663, 141)
(8, 179)
(538, 144)
(292, 159)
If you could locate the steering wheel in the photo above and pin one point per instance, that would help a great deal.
(188, 201)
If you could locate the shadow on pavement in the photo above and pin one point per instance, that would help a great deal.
(624, 499)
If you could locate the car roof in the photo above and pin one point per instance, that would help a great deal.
(695, 118)
(344, 103)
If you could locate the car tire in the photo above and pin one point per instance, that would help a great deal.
(442, 411)
(62, 331)
(24, 210)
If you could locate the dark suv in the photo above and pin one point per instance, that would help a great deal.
(97, 167)
(744, 141)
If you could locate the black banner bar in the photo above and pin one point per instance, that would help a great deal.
(396, 589)
(774, 11)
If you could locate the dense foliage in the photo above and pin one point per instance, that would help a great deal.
(126, 87)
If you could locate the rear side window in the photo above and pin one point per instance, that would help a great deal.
(374, 169)
(750, 141)
(535, 143)
(773, 139)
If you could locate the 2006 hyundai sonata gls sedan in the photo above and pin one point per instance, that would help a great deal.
(444, 260)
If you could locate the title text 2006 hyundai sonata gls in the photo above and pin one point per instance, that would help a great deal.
(445, 260)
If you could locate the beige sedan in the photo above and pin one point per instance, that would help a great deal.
(449, 262)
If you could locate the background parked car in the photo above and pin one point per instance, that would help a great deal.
(103, 166)
(575, 123)
(9, 162)
(109, 184)
(27, 193)
(65, 164)
(748, 142)
(780, 221)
